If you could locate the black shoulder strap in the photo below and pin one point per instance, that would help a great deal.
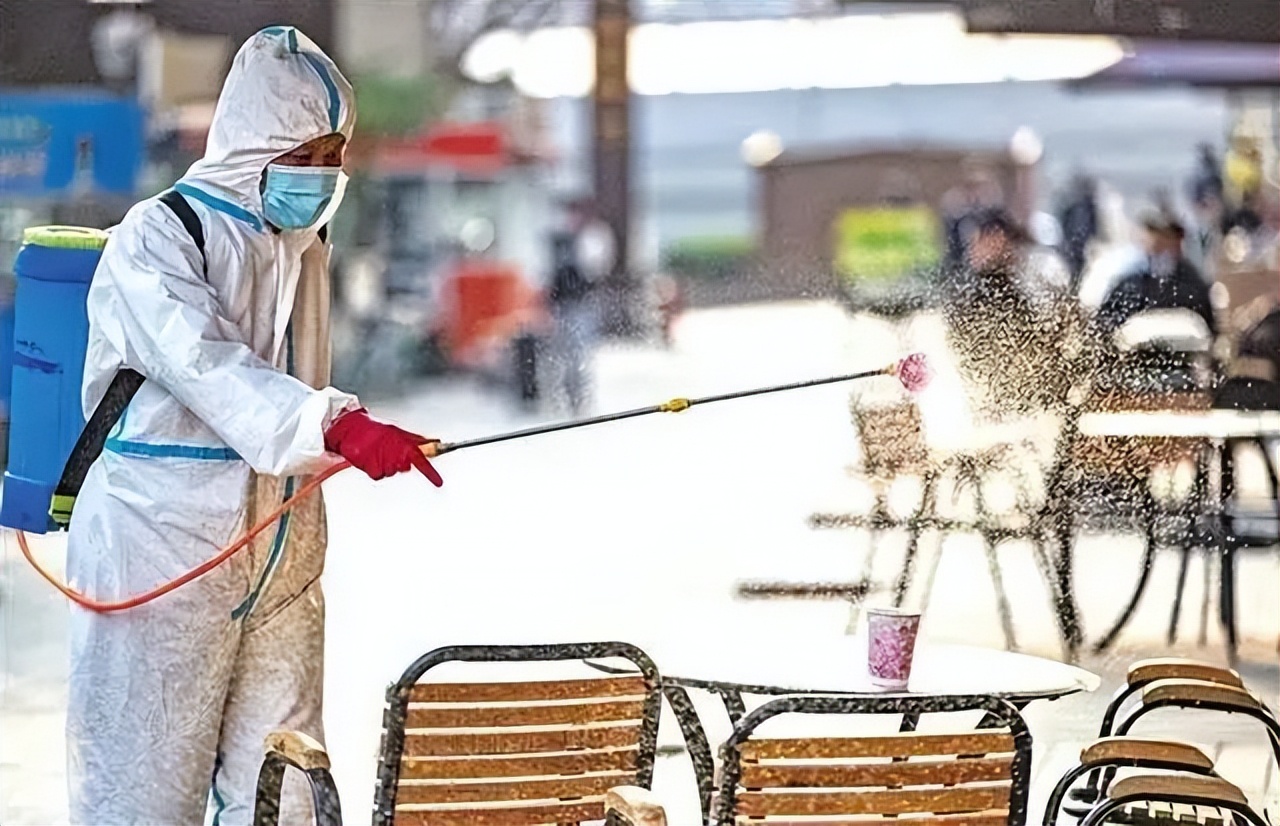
(190, 221)
(120, 392)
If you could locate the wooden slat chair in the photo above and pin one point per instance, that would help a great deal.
(1144, 672)
(977, 778)
(1141, 674)
(1126, 752)
(508, 753)
(515, 753)
(894, 447)
(1216, 689)
(1207, 696)
(1109, 482)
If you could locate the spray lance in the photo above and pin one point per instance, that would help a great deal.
(913, 371)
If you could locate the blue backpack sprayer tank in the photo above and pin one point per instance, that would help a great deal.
(51, 327)
(51, 445)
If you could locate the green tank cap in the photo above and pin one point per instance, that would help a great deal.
(66, 238)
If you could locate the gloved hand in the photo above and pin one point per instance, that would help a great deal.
(378, 448)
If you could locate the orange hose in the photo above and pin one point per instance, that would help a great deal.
(195, 573)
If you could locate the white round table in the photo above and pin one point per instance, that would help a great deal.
(777, 664)
(838, 665)
(1191, 424)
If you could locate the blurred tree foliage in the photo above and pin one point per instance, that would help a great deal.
(393, 106)
(709, 257)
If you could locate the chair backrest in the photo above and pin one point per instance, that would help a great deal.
(977, 777)
(892, 437)
(514, 753)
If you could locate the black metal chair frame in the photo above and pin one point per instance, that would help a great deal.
(393, 719)
(1233, 540)
(1261, 713)
(324, 793)
(1108, 806)
(1211, 526)
(969, 472)
(1059, 794)
(998, 713)
(1063, 491)
(1124, 693)
(1090, 792)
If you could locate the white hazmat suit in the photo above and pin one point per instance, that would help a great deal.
(170, 701)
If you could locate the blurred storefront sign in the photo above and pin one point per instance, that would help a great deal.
(59, 143)
(477, 149)
(884, 243)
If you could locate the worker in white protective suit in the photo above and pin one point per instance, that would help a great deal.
(170, 701)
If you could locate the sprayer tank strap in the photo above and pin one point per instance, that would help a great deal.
(120, 392)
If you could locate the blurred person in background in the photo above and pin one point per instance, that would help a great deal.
(1007, 327)
(1245, 216)
(977, 193)
(1079, 219)
(1205, 192)
(1243, 170)
(1165, 280)
(583, 255)
(1206, 184)
(217, 293)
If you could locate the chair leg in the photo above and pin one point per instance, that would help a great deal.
(1040, 553)
(993, 562)
(925, 512)
(1183, 565)
(1002, 599)
(1223, 539)
(1148, 562)
(1227, 603)
(696, 743)
(1067, 613)
(932, 576)
(868, 568)
(1203, 638)
(1269, 466)
(908, 567)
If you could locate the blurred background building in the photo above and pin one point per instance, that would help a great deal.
(478, 118)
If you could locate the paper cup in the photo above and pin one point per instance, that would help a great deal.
(891, 645)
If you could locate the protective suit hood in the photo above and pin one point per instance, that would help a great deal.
(281, 92)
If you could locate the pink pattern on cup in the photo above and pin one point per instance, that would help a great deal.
(891, 646)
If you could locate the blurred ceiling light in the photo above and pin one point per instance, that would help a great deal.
(762, 147)
(490, 58)
(917, 48)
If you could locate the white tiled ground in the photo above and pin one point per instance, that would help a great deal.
(639, 531)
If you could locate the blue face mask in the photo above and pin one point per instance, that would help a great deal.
(300, 197)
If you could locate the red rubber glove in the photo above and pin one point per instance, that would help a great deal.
(378, 448)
